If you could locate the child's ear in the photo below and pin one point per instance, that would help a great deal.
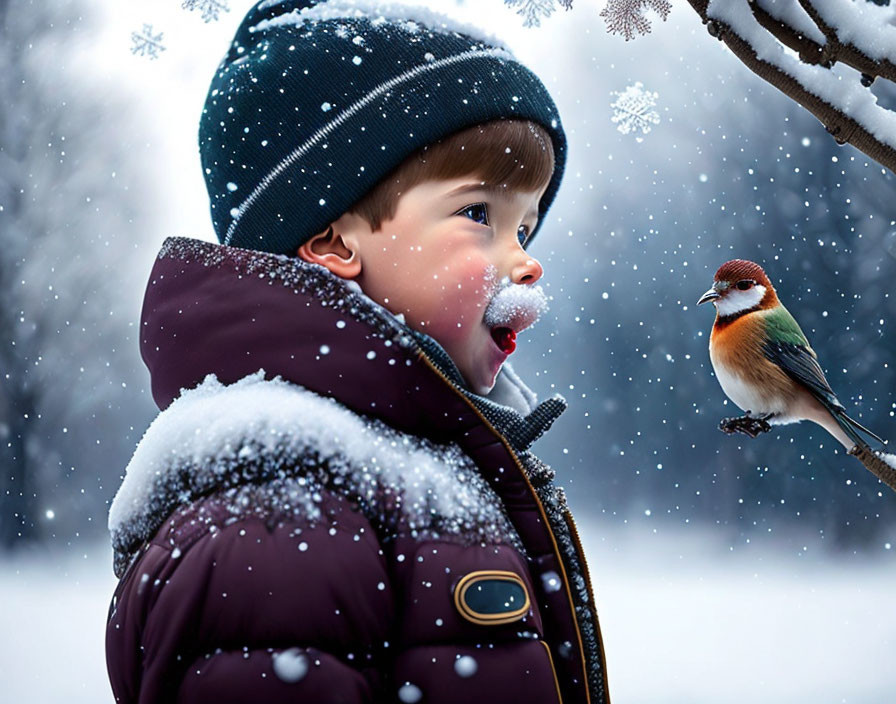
(330, 249)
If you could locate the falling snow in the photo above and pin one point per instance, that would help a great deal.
(739, 172)
(466, 666)
(410, 693)
(290, 665)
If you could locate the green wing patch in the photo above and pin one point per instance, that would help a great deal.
(781, 326)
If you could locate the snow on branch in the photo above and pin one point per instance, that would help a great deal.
(859, 35)
(793, 44)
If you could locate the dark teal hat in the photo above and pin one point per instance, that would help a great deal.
(316, 102)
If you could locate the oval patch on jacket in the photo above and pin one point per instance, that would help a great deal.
(491, 597)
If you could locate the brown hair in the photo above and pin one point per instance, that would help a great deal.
(514, 153)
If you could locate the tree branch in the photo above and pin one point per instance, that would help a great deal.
(808, 50)
(875, 464)
(844, 127)
(844, 52)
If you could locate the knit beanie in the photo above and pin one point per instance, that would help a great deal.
(316, 102)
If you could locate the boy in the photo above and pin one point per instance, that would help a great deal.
(337, 502)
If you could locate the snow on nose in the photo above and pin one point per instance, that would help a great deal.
(516, 306)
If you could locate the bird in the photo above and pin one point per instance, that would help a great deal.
(766, 366)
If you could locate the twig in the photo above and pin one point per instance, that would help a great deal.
(876, 465)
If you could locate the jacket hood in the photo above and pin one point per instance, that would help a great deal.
(213, 309)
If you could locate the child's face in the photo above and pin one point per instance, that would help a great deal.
(439, 260)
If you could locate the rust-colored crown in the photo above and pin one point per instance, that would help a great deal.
(737, 269)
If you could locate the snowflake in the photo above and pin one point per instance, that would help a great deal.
(625, 16)
(147, 43)
(211, 9)
(633, 109)
(532, 11)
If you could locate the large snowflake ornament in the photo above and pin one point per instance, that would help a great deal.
(626, 17)
(633, 109)
(533, 11)
(145, 43)
(211, 9)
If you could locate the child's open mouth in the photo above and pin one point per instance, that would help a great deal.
(505, 339)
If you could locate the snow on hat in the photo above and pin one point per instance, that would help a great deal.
(316, 102)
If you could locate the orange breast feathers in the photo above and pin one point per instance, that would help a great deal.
(737, 346)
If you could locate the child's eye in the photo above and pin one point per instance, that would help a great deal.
(477, 212)
(522, 234)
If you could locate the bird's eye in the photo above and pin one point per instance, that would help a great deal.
(745, 285)
(477, 212)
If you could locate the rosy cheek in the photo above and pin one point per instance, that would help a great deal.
(476, 282)
(462, 303)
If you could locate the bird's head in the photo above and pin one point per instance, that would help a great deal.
(740, 285)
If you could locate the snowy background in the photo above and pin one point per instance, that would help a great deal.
(726, 569)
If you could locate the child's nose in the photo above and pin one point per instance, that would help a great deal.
(526, 270)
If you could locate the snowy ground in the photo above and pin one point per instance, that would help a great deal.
(690, 618)
(685, 619)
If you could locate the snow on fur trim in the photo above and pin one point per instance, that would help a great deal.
(215, 438)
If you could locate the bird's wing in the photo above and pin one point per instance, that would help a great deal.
(800, 364)
(787, 346)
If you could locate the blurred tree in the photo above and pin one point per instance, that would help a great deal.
(65, 208)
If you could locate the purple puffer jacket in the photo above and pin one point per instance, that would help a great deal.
(319, 514)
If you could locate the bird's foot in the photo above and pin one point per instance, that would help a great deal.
(748, 425)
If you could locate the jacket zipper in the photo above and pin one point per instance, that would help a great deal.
(592, 606)
(547, 523)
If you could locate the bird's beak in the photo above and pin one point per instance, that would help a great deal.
(710, 295)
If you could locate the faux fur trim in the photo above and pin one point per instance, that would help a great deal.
(217, 437)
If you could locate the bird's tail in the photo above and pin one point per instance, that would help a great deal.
(852, 427)
(881, 464)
